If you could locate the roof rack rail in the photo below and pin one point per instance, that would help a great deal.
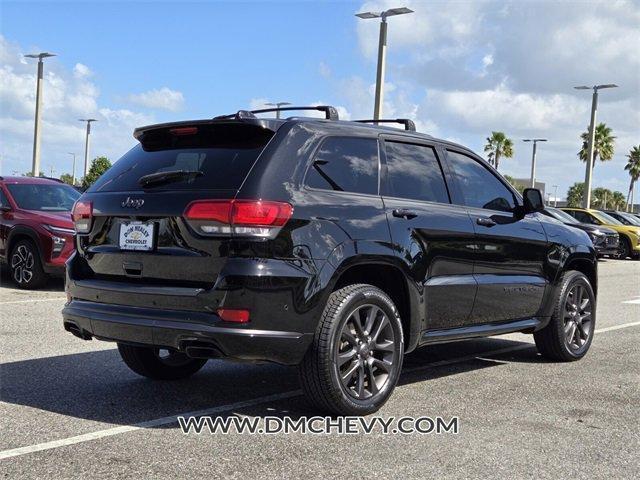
(408, 124)
(330, 112)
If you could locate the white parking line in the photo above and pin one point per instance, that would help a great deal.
(633, 302)
(16, 452)
(34, 300)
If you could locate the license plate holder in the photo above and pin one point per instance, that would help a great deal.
(136, 236)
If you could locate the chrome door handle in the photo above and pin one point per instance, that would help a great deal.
(485, 222)
(404, 213)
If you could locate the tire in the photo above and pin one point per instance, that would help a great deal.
(553, 341)
(625, 248)
(335, 352)
(149, 362)
(25, 265)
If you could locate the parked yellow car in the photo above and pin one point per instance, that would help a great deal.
(629, 234)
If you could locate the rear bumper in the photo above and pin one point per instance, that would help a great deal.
(197, 334)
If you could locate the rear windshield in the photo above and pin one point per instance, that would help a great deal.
(43, 197)
(223, 154)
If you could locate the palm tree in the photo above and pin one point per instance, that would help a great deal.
(617, 200)
(603, 146)
(633, 166)
(498, 145)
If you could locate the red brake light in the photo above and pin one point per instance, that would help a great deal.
(219, 211)
(250, 212)
(235, 315)
(241, 217)
(184, 131)
(82, 215)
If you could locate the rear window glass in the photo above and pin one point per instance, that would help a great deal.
(223, 154)
(345, 165)
(44, 197)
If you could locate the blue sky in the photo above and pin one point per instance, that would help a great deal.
(459, 68)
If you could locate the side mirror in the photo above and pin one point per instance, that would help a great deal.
(5, 208)
(532, 200)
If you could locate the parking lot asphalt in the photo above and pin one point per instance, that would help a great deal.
(71, 408)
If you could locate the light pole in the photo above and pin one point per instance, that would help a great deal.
(533, 158)
(382, 52)
(586, 198)
(35, 165)
(86, 143)
(73, 170)
(555, 195)
(277, 105)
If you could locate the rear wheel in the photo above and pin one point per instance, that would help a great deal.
(355, 359)
(26, 269)
(158, 363)
(569, 334)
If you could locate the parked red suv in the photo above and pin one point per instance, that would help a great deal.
(36, 230)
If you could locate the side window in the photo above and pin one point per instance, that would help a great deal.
(583, 217)
(413, 172)
(345, 165)
(480, 188)
(4, 202)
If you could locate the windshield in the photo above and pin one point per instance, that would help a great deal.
(607, 219)
(562, 216)
(44, 197)
(630, 218)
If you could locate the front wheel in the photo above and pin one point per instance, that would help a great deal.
(356, 356)
(569, 333)
(159, 364)
(624, 250)
(26, 269)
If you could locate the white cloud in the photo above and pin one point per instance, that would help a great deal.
(324, 69)
(81, 71)
(163, 98)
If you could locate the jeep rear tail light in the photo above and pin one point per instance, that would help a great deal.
(82, 216)
(245, 218)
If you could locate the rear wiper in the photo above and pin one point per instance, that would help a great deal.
(168, 176)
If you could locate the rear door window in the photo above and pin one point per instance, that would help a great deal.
(345, 164)
(414, 172)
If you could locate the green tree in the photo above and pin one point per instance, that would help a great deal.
(633, 167)
(99, 165)
(498, 146)
(603, 145)
(618, 202)
(30, 174)
(574, 194)
(601, 197)
(515, 184)
(67, 178)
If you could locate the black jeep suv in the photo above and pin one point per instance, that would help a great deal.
(337, 246)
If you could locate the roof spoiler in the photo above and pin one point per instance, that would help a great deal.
(408, 124)
(331, 113)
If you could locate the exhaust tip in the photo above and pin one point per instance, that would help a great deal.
(77, 331)
(203, 351)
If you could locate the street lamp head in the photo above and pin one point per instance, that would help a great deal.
(87, 120)
(582, 87)
(607, 85)
(40, 56)
(367, 15)
(396, 11)
(277, 104)
(387, 13)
